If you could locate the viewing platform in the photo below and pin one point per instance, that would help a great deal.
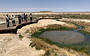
(13, 29)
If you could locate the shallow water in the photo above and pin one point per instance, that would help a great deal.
(67, 37)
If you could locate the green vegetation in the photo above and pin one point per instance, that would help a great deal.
(20, 36)
(52, 28)
(80, 47)
(76, 16)
(82, 31)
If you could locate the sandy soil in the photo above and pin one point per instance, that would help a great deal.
(11, 45)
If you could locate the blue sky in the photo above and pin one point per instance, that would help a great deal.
(66, 5)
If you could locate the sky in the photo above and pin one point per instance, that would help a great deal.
(62, 5)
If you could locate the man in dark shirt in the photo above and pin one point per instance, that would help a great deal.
(30, 17)
(25, 17)
(19, 19)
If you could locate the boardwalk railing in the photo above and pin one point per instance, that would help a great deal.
(15, 28)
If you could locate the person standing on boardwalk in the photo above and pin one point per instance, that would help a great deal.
(7, 20)
(22, 18)
(19, 19)
(13, 20)
(25, 17)
(30, 17)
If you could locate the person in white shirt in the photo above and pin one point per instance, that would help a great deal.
(13, 20)
(7, 20)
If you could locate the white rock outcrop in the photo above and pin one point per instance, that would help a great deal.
(11, 45)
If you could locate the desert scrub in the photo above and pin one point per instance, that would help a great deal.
(27, 31)
(60, 27)
(74, 16)
(85, 27)
(20, 36)
(50, 53)
(81, 47)
(45, 44)
(38, 43)
(85, 32)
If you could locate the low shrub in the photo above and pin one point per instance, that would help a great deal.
(20, 36)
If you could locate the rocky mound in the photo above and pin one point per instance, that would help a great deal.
(11, 45)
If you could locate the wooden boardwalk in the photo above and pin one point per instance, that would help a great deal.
(13, 29)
